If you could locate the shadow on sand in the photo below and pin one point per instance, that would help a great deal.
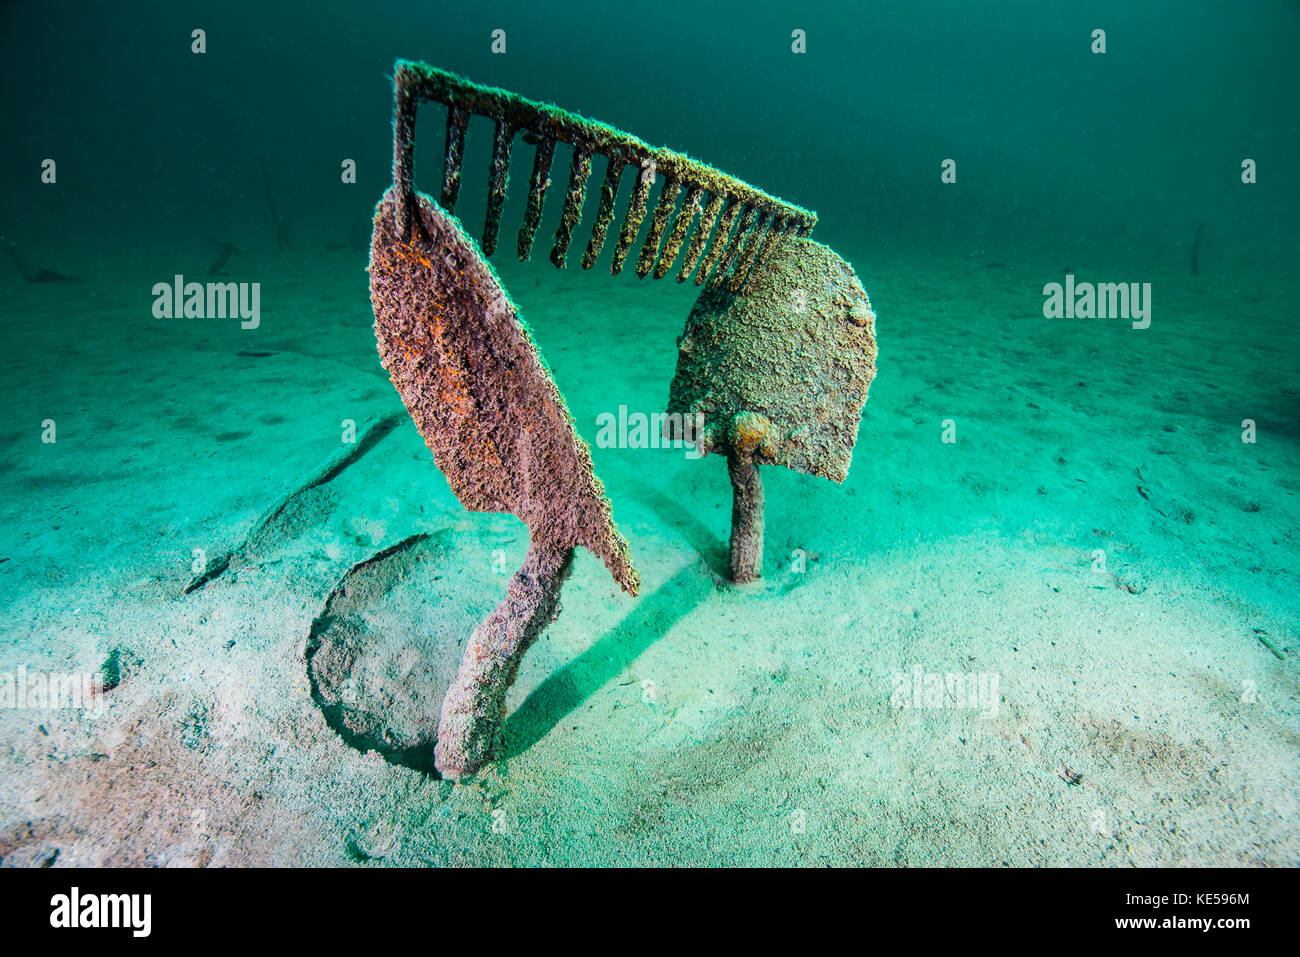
(565, 690)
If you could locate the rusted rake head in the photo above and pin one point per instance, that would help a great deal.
(750, 224)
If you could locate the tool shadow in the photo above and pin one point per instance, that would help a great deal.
(565, 690)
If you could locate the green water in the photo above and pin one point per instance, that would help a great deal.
(1100, 511)
(1118, 155)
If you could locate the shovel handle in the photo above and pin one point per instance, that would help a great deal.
(472, 723)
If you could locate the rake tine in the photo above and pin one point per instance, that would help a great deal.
(579, 170)
(404, 103)
(707, 219)
(457, 119)
(736, 244)
(604, 212)
(719, 241)
(632, 221)
(499, 178)
(536, 196)
(775, 236)
(650, 251)
(685, 216)
(755, 242)
(786, 232)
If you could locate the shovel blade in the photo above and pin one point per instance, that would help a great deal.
(473, 380)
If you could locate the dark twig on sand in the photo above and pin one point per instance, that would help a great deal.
(367, 436)
(228, 249)
(1262, 638)
(280, 226)
(29, 270)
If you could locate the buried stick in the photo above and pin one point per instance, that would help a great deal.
(367, 436)
(30, 270)
(278, 224)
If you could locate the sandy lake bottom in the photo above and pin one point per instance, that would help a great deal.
(1098, 541)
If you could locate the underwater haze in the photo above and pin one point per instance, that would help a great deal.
(1049, 618)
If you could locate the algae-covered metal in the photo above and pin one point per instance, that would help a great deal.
(473, 380)
(764, 219)
(778, 375)
(479, 391)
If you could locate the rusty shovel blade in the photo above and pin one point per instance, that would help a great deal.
(479, 391)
